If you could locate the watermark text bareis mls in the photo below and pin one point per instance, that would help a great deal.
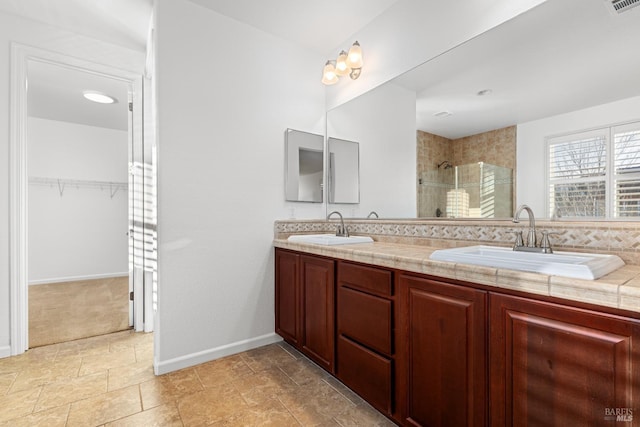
(618, 414)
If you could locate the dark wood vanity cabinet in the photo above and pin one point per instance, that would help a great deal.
(557, 365)
(304, 303)
(442, 350)
(365, 332)
(427, 351)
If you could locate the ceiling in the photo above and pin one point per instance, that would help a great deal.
(549, 60)
(318, 25)
(122, 22)
(54, 92)
(563, 55)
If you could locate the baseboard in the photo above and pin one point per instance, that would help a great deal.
(5, 351)
(77, 278)
(214, 353)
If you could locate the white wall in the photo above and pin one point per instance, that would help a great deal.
(34, 34)
(412, 32)
(81, 233)
(530, 149)
(226, 94)
(383, 123)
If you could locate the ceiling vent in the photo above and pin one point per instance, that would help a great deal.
(619, 6)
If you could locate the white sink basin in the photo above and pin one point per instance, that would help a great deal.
(329, 239)
(567, 264)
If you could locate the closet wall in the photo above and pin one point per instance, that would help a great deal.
(77, 221)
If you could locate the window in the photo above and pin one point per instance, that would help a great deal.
(595, 174)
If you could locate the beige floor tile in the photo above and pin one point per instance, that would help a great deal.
(270, 413)
(55, 417)
(102, 362)
(18, 404)
(263, 386)
(128, 375)
(144, 353)
(71, 390)
(169, 388)
(316, 404)
(105, 407)
(267, 357)
(363, 415)
(82, 348)
(302, 371)
(160, 416)
(272, 385)
(222, 371)
(44, 373)
(210, 405)
(6, 380)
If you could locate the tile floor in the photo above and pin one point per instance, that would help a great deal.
(66, 311)
(109, 381)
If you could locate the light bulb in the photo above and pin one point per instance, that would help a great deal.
(342, 69)
(329, 75)
(354, 59)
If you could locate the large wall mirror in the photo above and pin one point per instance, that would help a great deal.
(304, 166)
(468, 104)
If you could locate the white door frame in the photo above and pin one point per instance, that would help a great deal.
(18, 255)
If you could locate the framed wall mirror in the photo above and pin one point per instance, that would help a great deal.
(343, 171)
(304, 166)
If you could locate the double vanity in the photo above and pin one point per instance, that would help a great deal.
(431, 332)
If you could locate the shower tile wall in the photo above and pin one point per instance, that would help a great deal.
(497, 147)
(433, 183)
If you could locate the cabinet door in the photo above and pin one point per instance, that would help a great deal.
(555, 365)
(317, 280)
(288, 320)
(444, 339)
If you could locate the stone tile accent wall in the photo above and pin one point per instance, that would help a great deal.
(608, 237)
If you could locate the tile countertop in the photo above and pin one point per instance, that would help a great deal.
(619, 289)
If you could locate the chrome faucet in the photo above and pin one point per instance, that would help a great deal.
(341, 230)
(372, 213)
(545, 245)
(531, 236)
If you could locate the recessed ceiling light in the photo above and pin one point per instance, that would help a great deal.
(484, 92)
(99, 97)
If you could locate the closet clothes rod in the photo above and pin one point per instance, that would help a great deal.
(62, 183)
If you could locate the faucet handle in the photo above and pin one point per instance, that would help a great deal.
(545, 245)
(519, 241)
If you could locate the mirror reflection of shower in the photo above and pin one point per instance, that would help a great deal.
(473, 190)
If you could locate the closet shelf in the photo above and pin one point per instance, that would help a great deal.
(62, 183)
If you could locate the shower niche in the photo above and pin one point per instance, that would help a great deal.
(474, 190)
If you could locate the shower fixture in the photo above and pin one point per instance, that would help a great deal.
(446, 164)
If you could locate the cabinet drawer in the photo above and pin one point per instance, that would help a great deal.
(369, 279)
(365, 318)
(366, 373)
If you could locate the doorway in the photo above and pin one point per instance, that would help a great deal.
(83, 198)
(77, 203)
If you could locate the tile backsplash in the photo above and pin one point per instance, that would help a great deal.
(607, 237)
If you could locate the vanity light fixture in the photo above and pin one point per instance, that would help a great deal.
(329, 74)
(348, 63)
(99, 97)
